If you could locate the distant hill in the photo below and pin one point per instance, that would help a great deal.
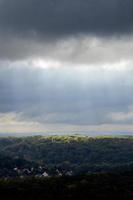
(79, 154)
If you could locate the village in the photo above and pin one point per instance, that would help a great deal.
(38, 172)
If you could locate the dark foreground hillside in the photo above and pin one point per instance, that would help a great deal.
(96, 186)
(66, 168)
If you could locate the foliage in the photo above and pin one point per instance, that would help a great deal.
(81, 154)
(96, 186)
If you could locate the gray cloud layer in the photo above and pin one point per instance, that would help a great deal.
(93, 35)
(64, 17)
(69, 30)
(79, 98)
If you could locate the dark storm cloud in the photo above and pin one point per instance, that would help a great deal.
(65, 17)
(66, 30)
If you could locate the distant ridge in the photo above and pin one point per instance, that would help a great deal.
(84, 133)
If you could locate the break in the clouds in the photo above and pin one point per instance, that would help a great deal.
(66, 65)
(66, 97)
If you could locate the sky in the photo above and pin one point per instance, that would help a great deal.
(66, 66)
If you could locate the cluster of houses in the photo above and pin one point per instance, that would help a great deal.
(40, 172)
